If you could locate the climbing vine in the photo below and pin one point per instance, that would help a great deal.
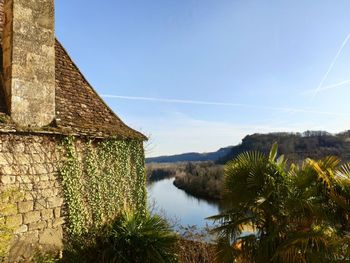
(101, 179)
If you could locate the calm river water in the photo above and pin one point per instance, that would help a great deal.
(177, 204)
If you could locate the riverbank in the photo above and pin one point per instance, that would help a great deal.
(202, 180)
(159, 171)
(191, 189)
(175, 204)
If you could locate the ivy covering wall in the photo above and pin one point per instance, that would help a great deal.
(100, 179)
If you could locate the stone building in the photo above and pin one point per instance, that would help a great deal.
(44, 99)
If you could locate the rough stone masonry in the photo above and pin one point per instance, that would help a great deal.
(30, 164)
(29, 61)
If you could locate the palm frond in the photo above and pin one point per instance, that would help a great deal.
(322, 173)
(273, 152)
(299, 244)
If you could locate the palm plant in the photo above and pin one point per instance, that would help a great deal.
(255, 190)
(318, 209)
(298, 213)
(131, 238)
(136, 238)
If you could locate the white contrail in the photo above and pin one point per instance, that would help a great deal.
(214, 103)
(336, 85)
(320, 86)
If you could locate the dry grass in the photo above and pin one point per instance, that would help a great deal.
(196, 252)
(195, 245)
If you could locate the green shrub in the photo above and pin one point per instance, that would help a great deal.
(131, 238)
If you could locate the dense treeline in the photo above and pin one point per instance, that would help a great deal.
(296, 146)
(201, 179)
(191, 157)
(156, 172)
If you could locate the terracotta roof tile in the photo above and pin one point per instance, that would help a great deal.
(79, 109)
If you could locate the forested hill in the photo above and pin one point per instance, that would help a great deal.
(296, 147)
(192, 157)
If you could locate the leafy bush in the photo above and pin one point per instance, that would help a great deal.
(131, 238)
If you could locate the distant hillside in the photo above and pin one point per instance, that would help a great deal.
(192, 157)
(296, 147)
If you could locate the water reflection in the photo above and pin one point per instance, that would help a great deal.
(177, 204)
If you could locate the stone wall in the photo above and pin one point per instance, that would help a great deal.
(33, 165)
(28, 43)
(30, 163)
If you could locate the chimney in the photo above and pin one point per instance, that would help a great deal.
(29, 61)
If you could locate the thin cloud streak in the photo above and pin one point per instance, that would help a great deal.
(320, 86)
(329, 87)
(213, 103)
(333, 86)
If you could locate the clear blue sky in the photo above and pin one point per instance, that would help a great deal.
(211, 71)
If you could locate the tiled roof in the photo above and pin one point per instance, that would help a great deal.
(79, 109)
